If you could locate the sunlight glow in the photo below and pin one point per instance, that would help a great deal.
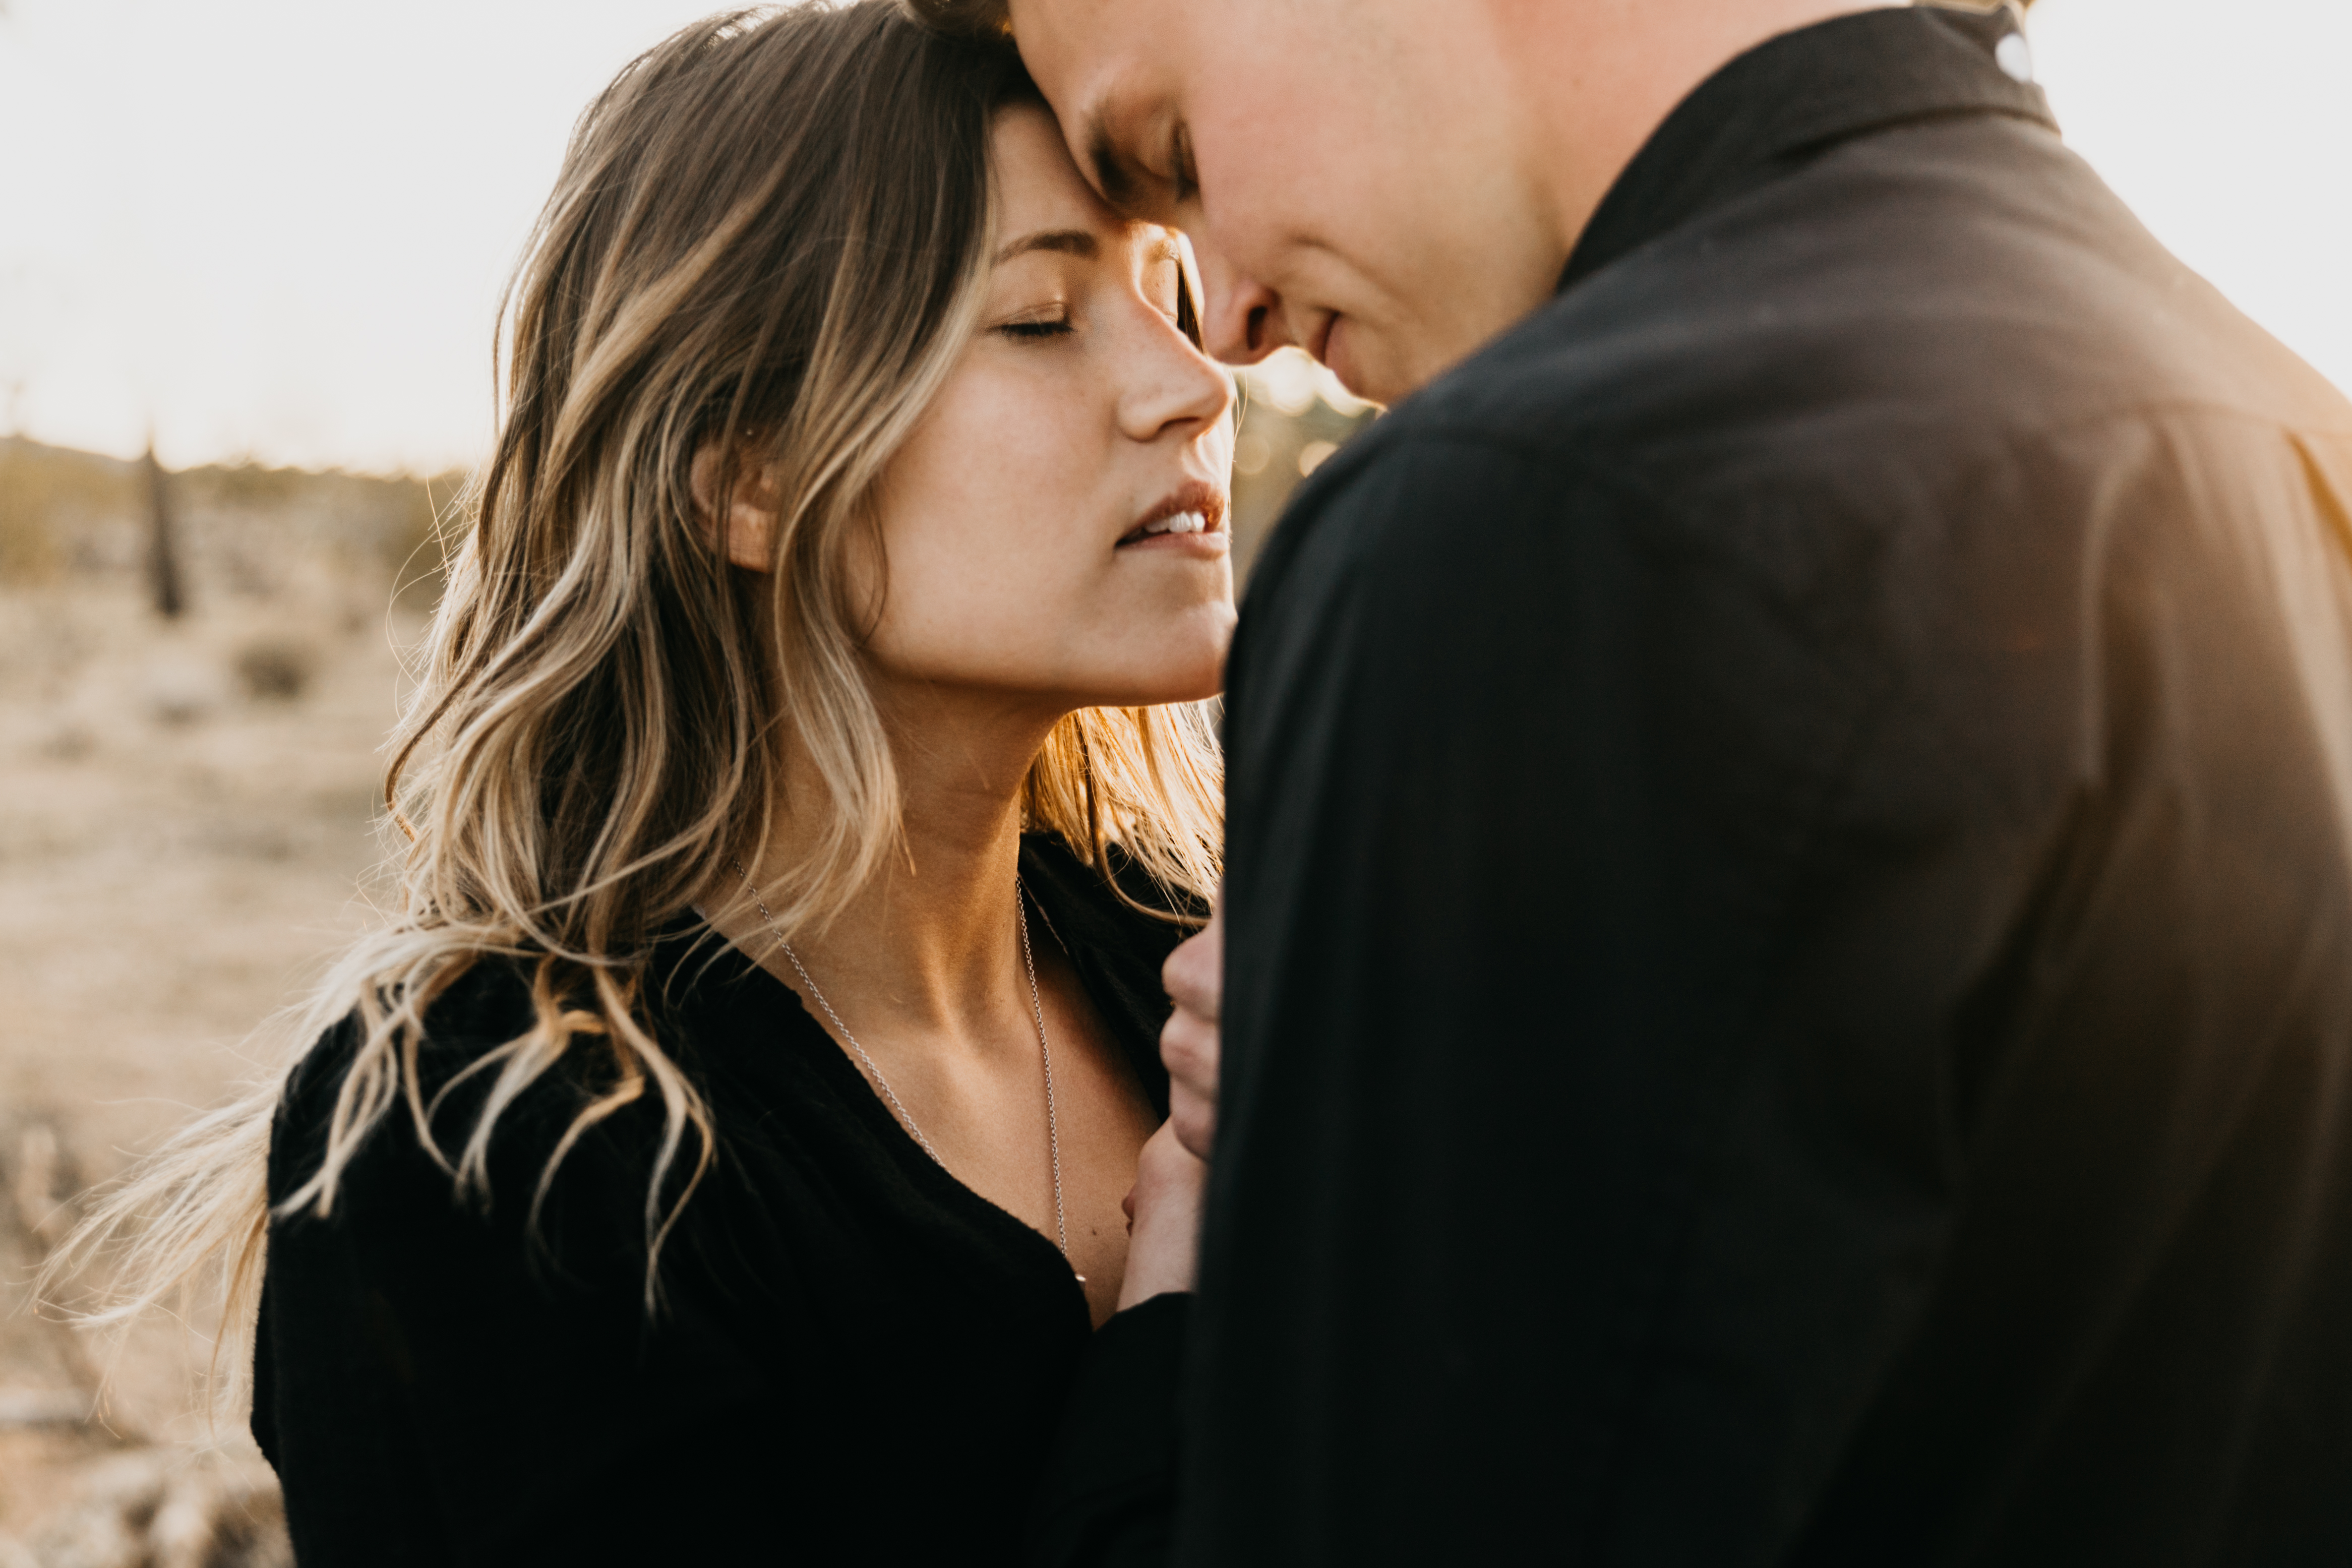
(279, 228)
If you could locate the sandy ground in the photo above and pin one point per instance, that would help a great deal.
(178, 854)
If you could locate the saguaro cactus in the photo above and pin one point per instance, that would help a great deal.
(162, 547)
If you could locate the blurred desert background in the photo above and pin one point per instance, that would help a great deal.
(249, 255)
(189, 716)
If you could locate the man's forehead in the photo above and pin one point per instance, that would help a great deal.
(1082, 51)
(1090, 58)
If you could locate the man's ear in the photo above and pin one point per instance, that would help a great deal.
(750, 527)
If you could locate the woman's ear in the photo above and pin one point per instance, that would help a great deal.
(749, 530)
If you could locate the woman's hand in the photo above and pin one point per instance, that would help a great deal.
(1194, 975)
(1163, 1207)
(1163, 1219)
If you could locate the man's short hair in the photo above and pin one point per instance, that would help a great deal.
(963, 18)
(992, 18)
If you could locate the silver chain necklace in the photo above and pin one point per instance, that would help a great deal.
(874, 1070)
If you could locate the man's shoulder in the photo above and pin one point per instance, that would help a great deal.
(1905, 302)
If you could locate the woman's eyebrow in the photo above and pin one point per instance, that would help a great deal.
(1069, 241)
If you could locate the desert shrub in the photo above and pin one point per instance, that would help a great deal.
(248, 485)
(276, 668)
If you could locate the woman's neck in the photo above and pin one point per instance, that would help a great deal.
(930, 944)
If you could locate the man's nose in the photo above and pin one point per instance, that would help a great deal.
(1242, 321)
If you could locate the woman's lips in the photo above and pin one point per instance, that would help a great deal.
(1178, 522)
(1208, 545)
(1193, 516)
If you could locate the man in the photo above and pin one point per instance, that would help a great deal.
(1789, 986)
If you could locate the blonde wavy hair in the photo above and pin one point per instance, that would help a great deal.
(769, 239)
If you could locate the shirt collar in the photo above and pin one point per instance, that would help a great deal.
(1800, 92)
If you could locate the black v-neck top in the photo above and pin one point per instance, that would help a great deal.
(856, 1357)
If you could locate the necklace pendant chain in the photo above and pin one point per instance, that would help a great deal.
(890, 1096)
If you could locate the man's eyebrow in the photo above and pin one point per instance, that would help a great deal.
(1069, 241)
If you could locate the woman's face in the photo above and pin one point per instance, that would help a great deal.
(1055, 530)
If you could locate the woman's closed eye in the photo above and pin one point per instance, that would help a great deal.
(1033, 329)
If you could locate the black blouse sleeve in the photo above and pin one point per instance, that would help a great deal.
(438, 1382)
(1110, 1480)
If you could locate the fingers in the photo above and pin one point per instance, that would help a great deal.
(1163, 1163)
(1194, 1121)
(1192, 1117)
(1188, 1047)
(1190, 1043)
(1164, 1238)
(1195, 972)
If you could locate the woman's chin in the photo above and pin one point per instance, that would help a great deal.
(1195, 678)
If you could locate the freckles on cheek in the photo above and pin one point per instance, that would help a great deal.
(1007, 435)
(997, 527)
(1024, 466)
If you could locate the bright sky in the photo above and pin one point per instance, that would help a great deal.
(279, 227)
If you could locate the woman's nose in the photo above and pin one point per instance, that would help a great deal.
(1173, 383)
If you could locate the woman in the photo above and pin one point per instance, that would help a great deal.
(722, 1156)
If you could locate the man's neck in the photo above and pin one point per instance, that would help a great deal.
(1597, 80)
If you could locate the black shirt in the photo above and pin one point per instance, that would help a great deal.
(1789, 991)
(857, 1359)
